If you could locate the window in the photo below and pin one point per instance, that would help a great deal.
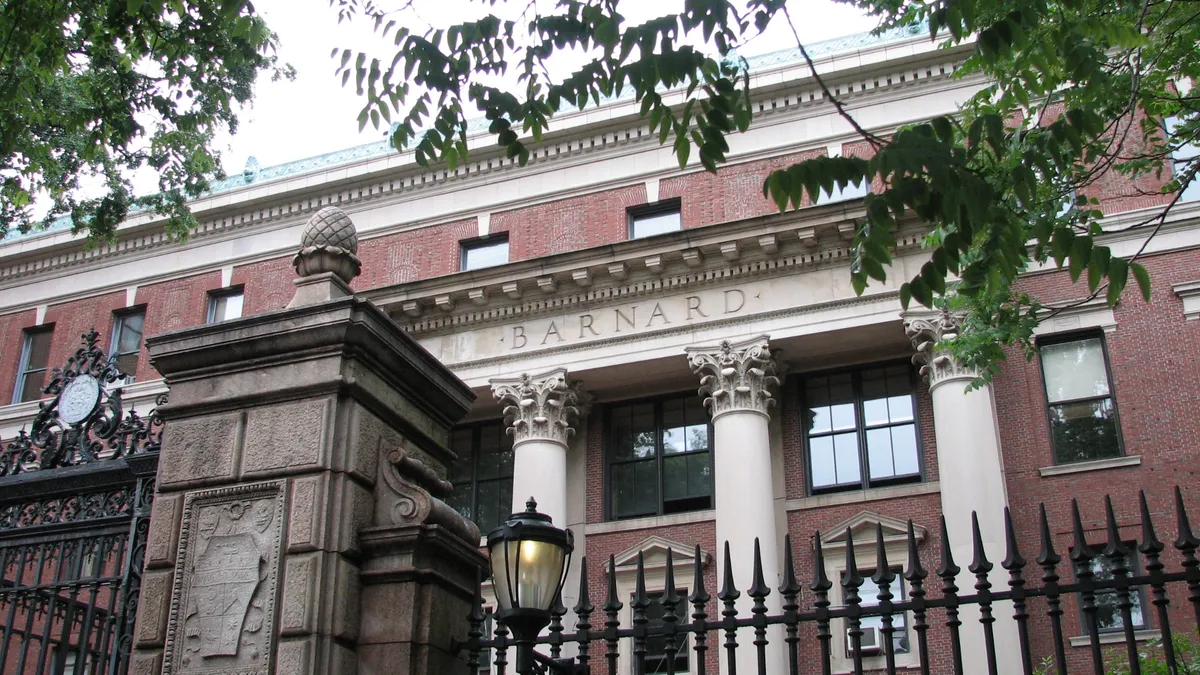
(31, 375)
(659, 457)
(482, 476)
(869, 594)
(862, 418)
(656, 645)
(658, 219)
(1108, 610)
(1081, 407)
(127, 341)
(1182, 158)
(480, 253)
(851, 191)
(224, 305)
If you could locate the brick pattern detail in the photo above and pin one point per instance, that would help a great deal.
(72, 319)
(569, 224)
(171, 305)
(414, 254)
(268, 285)
(733, 194)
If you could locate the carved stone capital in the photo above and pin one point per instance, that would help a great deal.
(540, 407)
(736, 376)
(928, 330)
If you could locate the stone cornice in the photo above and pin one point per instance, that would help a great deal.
(399, 180)
(686, 260)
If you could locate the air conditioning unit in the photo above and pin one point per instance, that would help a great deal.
(871, 641)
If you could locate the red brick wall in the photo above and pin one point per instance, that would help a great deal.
(733, 193)
(72, 319)
(414, 254)
(267, 285)
(569, 224)
(171, 305)
(1153, 355)
(12, 337)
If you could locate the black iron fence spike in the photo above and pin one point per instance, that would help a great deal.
(790, 587)
(884, 575)
(670, 594)
(1150, 543)
(729, 591)
(1187, 539)
(1115, 548)
(915, 571)
(821, 582)
(758, 586)
(584, 606)
(1012, 555)
(979, 562)
(699, 594)
(640, 599)
(851, 578)
(613, 604)
(1081, 553)
(946, 568)
(1047, 556)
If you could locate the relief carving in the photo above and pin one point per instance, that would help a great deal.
(222, 610)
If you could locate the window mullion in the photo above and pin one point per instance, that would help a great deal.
(476, 444)
(860, 429)
(658, 453)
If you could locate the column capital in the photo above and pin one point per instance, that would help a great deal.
(540, 407)
(736, 376)
(926, 330)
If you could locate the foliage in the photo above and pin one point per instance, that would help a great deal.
(1079, 88)
(92, 90)
(1152, 659)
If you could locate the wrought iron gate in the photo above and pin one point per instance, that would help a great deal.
(75, 496)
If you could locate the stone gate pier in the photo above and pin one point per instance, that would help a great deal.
(298, 526)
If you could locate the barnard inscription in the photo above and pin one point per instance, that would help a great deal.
(222, 612)
(626, 319)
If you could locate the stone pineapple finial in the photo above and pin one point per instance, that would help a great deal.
(326, 261)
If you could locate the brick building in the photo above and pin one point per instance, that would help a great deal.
(615, 280)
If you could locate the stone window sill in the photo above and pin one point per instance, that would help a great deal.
(857, 496)
(1094, 465)
(1116, 637)
(650, 522)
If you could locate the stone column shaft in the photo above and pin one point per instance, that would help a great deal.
(736, 379)
(971, 472)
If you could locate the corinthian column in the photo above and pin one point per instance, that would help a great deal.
(736, 378)
(971, 472)
(539, 411)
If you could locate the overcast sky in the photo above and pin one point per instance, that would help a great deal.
(313, 114)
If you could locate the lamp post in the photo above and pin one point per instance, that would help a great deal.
(530, 558)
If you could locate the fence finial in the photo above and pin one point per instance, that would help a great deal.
(758, 586)
(851, 578)
(884, 576)
(1116, 547)
(979, 563)
(947, 568)
(915, 571)
(1150, 543)
(1047, 556)
(729, 591)
(1186, 541)
(1081, 553)
(699, 594)
(791, 587)
(821, 582)
(1012, 558)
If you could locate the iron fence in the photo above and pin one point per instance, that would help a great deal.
(75, 499)
(933, 600)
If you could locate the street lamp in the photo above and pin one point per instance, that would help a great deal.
(530, 558)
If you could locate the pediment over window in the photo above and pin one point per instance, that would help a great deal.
(654, 555)
(863, 527)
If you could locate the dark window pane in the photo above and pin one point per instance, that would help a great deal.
(634, 489)
(643, 431)
(495, 504)
(460, 500)
(31, 386)
(656, 646)
(1084, 431)
(129, 336)
(1108, 610)
(686, 476)
(39, 350)
(674, 429)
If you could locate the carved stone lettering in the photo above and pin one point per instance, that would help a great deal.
(223, 603)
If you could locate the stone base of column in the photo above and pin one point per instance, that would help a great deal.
(417, 585)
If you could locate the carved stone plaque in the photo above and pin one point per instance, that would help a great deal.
(226, 581)
(78, 399)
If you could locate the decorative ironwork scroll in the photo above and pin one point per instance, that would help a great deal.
(85, 421)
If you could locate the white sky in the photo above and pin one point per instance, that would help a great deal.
(313, 114)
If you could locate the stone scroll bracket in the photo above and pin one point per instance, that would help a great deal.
(737, 376)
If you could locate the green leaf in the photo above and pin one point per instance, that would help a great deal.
(1118, 276)
(1143, 279)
